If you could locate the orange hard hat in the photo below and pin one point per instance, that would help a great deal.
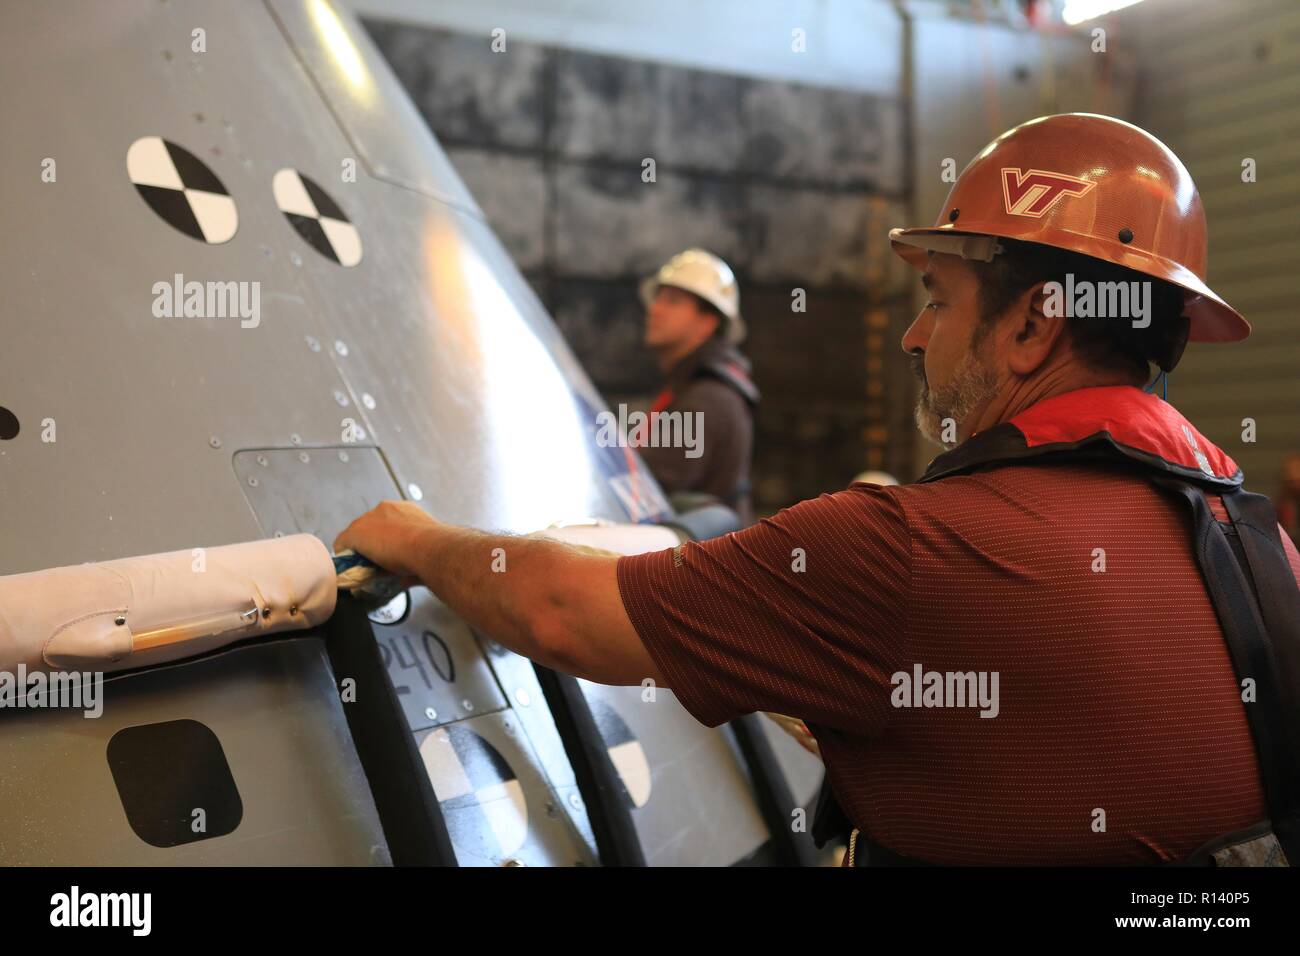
(1091, 184)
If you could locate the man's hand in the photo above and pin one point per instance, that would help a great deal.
(390, 535)
(547, 600)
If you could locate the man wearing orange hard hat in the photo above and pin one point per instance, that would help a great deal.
(1075, 640)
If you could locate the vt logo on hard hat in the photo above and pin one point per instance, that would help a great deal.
(1034, 192)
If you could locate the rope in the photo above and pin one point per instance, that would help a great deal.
(364, 579)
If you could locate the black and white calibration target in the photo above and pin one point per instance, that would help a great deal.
(625, 751)
(316, 217)
(178, 186)
(476, 788)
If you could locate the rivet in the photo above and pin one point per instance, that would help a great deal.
(252, 481)
(266, 612)
(341, 398)
(368, 400)
(261, 460)
(430, 713)
(214, 441)
(467, 704)
(340, 346)
(295, 439)
(1126, 235)
(952, 216)
(304, 457)
(313, 343)
(414, 491)
(293, 609)
(515, 862)
(119, 621)
(343, 456)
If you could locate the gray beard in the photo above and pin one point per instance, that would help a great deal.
(972, 385)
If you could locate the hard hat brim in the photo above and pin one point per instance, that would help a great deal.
(1212, 319)
(736, 328)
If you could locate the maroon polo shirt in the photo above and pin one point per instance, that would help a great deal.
(1115, 689)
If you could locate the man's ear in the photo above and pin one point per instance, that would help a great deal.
(1038, 323)
(717, 319)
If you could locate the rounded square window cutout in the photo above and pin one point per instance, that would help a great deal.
(174, 782)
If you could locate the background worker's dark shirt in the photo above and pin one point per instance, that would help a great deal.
(1116, 690)
(713, 381)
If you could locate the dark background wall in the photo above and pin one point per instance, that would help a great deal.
(795, 186)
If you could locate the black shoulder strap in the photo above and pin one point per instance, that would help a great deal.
(732, 374)
(1258, 605)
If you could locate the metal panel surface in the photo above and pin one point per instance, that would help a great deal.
(137, 420)
(498, 806)
(274, 708)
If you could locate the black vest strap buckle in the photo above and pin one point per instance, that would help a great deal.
(1256, 846)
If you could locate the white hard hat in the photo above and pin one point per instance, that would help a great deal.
(704, 274)
(876, 478)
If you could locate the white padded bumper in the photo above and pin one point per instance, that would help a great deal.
(135, 612)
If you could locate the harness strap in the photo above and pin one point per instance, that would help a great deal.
(733, 375)
(1258, 605)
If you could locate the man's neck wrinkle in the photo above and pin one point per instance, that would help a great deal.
(1024, 393)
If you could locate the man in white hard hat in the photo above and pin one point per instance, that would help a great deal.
(693, 325)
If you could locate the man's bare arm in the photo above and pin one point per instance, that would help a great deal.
(547, 600)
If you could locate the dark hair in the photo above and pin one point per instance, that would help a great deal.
(1103, 343)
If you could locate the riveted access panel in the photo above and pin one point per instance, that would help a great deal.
(436, 666)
